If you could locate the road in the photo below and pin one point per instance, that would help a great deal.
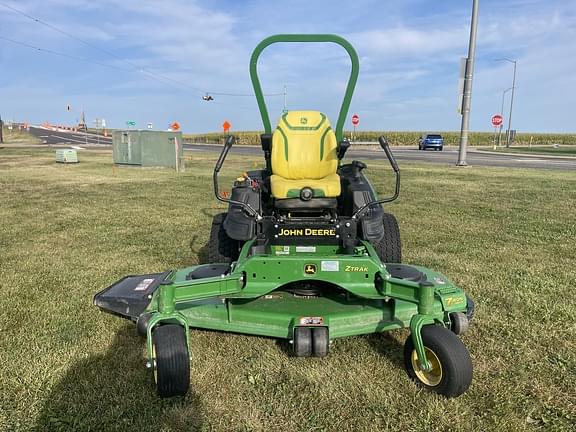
(63, 137)
(446, 157)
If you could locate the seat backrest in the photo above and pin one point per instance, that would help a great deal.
(304, 146)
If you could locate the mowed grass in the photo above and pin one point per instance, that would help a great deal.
(67, 231)
(16, 136)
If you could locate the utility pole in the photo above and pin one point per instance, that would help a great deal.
(467, 97)
(285, 93)
(1, 131)
(509, 133)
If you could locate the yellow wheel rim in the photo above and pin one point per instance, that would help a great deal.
(432, 377)
(154, 364)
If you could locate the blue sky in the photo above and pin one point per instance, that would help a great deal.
(409, 52)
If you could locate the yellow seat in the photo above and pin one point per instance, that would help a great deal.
(304, 154)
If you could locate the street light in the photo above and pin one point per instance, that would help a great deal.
(502, 113)
(508, 135)
(467, 93)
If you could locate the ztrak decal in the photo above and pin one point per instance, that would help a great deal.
(351, 268)
(453, 301)
(306, 232)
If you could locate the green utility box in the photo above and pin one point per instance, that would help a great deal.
(147, 148)
(66, 156)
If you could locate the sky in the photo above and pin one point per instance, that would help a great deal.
(152, 61)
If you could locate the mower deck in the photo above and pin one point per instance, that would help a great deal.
(277, 312)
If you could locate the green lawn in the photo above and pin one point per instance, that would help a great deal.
(547, 150)
(15, 136)
(67, 231)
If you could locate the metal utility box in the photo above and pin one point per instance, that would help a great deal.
(147, 148)
(66, 156)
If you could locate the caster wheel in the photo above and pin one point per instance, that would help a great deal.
(142, 324)
(302, 342)
(172, 369)
(459, 323)
(320, 341)
(451, 372)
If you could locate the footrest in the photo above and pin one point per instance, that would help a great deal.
(130, 296)
(403, 271)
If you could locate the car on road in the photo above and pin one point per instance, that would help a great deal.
(434, 141)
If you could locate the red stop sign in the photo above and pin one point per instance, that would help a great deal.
(497, 120)
(355, 120)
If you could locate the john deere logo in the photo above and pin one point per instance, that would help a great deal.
(303, 120)
(310, 269)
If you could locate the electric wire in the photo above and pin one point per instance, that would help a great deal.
(137, 68)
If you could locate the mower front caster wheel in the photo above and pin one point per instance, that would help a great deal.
(451, 372)
(172, 368)
(311, 341)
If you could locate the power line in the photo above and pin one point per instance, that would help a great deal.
(48, 51)
(137, 68)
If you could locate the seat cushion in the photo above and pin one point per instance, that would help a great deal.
(326, 187)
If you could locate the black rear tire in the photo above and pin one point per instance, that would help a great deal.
(453, 372)
(389, 248)
(221, 248)
(172, 373)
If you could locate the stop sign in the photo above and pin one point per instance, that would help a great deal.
(497, 120)
(355, 120)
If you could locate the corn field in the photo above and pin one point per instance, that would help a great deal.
(401, 138)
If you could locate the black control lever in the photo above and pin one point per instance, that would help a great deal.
(384, 144)
(227, 146)
(394, 165)
(342, 147)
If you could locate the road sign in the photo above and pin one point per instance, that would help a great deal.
(497, 120)
(226, 126)
(130, 123)
(355, 120)
(175, 126)
(149, 125)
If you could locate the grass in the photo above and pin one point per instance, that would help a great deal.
(16, 136)
(548, 150)
(67, 231)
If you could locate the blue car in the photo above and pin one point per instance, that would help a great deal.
(434, 141)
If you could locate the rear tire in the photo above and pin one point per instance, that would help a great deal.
(451, 372)
(172, 372)
(389, 248)
(221, 248)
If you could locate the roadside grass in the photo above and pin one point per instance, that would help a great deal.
(16, 136)
(67, 231)
(560, 150)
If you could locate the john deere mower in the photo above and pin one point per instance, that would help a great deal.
(305, 253)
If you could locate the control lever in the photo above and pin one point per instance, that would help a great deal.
(227, 146)
(384, 144)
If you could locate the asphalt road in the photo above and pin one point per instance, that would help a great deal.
(446, 157)
(66, 137)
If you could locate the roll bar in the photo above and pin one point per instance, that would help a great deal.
(313, 38)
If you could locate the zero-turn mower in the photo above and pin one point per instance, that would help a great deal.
(305, 253)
